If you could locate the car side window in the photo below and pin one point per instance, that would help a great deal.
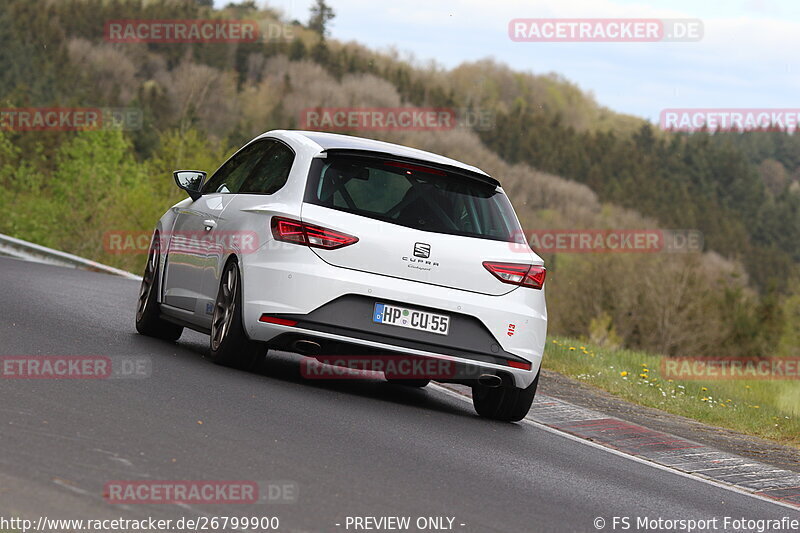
(230, 176)
(271, 172)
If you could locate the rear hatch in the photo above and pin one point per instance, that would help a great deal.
(414, 221)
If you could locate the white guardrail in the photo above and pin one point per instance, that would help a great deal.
(29, 251)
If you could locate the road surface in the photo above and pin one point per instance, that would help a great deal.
(352, 449)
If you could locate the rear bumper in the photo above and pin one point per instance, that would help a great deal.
(334, 305)
(358, 353)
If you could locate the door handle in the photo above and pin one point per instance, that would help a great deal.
(209, 224)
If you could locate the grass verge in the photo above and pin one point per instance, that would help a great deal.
(764, 408)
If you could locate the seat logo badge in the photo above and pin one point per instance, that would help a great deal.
(422, 250)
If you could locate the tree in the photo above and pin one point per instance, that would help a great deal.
(244, 5)
(321, 14)
(774, 176)
(789, 344)
(320, 53)
(297, 50)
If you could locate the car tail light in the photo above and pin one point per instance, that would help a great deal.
(288, 230)
(518, 274)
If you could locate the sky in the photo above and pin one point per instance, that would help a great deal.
(748, 56)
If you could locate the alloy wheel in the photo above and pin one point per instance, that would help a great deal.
(148, 279)
(224, 307)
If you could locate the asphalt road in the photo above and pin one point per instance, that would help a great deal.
(352, 448)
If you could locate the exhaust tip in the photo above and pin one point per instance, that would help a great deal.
(490, 380)
(306, 347)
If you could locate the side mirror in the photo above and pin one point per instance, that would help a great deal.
(190, 181)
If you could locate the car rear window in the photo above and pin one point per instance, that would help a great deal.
(413, 195)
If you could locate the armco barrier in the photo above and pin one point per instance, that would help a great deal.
(20, 249)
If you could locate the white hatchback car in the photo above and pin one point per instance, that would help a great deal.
(342, 248)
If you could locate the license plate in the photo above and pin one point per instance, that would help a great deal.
(403, 317)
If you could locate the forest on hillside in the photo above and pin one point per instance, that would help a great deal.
(566, 162)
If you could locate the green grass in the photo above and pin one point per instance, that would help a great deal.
(765, 408)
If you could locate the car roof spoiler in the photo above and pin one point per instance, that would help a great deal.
(386, 156)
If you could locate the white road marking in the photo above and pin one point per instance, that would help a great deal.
(695, 477)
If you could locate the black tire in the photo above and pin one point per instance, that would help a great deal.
(230, 345)
(509, 404)
(418, 383)
(148, 314)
